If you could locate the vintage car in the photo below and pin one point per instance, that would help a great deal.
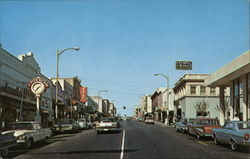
(107, 124)
(67, 125)
(7, 140)
(83, 123)
(202, 127)
(141, 119)
(89, 124)
(235, 133)
(181, 126)
(29, 132)
(149, 120)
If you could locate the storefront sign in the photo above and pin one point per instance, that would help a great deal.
(183, 65)
(38, 85)
(83, 94)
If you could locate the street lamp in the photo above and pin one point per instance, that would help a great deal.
(167, 80)
(58, 53)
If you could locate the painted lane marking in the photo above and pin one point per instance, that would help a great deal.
(202, 143)
(123, 141)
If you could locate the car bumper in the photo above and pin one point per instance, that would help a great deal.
(206, 134)
(106, 129)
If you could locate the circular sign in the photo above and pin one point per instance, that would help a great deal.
(37, 87)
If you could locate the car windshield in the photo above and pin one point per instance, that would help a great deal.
(67, 122)
(20, 126)
(108, 120)
(243, 125)
(81, 120)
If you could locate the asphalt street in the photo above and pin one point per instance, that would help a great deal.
(136, 141)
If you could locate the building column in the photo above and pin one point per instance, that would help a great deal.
(244, 104)
(222, 106)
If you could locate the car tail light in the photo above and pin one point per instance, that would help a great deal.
(246, 137)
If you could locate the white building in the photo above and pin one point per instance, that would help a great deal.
(236, 75)
(193, 98)
(145, 106)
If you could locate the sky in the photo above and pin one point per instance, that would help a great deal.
(123, 43)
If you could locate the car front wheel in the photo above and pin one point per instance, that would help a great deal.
(233, 145)
(198, 136)
(4, 152)
(29, 143)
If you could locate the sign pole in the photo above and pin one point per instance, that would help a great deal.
(38, 117)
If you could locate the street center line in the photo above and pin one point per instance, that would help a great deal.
(123, 141)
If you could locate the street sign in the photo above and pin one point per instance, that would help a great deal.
(183, 65)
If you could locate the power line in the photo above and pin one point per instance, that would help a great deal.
(120, 84)
(117, 92)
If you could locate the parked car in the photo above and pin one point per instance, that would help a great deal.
(181, 126)
(89, 124)
(235, 133)
(141, 119)
(149, 120)
(202, 127)
(68, 125)
(29, 132)
(83, 123)
(107, 124)
(7, 140)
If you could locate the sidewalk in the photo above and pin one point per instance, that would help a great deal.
(163, 124)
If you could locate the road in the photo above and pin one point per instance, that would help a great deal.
(136, 141)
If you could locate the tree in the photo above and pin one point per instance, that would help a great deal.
(223, 107)
(201, 107)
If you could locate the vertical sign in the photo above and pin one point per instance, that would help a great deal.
(83, 94)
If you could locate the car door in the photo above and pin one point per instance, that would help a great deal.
(221, 133)
(40, 133)
(227, 133)
(192, 127)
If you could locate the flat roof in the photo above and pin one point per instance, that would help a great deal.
(231, 71)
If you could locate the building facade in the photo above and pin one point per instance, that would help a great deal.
(235, 75)
(17, 102)
(193, 98)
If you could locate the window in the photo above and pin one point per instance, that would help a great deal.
(212, 91)
(203, 90)
(192, 89)
(238, 98)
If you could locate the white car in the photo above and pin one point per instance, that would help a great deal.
(149, 120)
(107, 124)
(29, 132)
(83, 123)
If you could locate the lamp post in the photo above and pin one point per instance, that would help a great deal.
(58, 53)
(99, 92)
(167, 80)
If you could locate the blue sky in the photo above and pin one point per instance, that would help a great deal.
(124, 42)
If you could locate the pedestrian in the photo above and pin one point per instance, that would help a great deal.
(170, 121)
(174, 119)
